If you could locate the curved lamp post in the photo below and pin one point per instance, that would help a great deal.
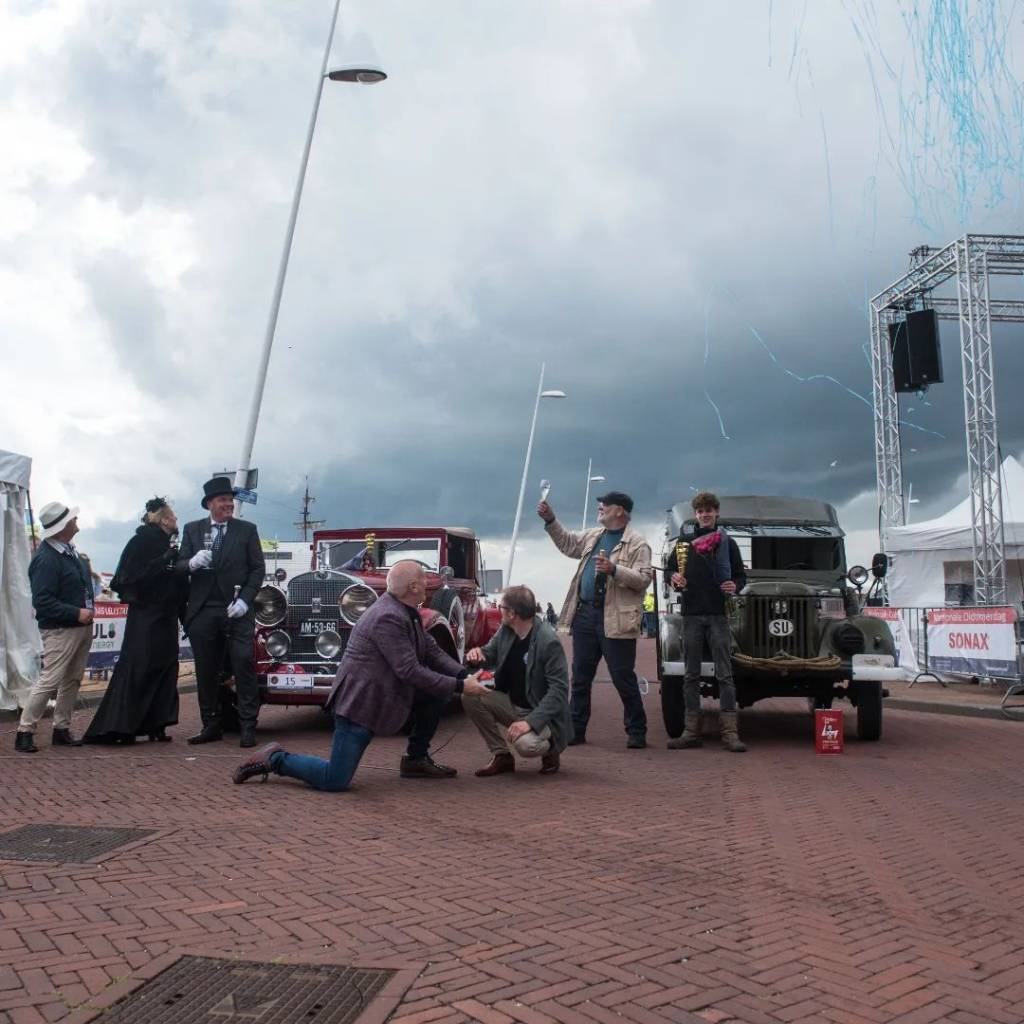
(361, 74)
(590, 480)
(541, 393)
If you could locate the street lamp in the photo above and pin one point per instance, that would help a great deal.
(590, 480)
(361, 74)
(541, 393)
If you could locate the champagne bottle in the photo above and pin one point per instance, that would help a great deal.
(600, 579)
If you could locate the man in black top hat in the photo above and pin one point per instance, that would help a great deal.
(224, 560)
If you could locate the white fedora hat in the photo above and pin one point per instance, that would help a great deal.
(54, 517)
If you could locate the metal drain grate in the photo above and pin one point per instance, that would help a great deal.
(199, 990)
(65, 843)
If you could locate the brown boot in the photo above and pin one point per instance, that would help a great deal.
(691, 733)
(730, 736)
(498, 765)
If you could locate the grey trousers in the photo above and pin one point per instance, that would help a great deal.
(716, 629)
(491, 711)
(65, 652)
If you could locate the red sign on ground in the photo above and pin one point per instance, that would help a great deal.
(828, 731)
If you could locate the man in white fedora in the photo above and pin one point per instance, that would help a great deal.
(63, 600)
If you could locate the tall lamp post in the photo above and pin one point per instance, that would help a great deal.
(541, 393)
(364, 75)
(590, 480)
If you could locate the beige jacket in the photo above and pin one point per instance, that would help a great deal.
(623, 602)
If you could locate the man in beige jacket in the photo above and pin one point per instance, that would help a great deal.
(604, 607)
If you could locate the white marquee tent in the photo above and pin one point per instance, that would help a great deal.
(20, 646)
(932, 561)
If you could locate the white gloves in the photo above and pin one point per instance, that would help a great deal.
(237, 608)
(200, 560)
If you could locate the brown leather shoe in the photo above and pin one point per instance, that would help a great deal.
(256, 764)
(550, 763)
(499, 764)
(425, 768)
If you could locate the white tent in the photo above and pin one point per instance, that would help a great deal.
(932, 561)
(20, 646)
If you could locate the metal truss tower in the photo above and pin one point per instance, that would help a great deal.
(967, 263)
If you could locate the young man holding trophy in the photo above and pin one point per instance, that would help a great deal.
(707, 567)
(604, 608)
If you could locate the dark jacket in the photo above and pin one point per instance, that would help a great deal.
(388, 658)
(547, 678)
(239, 563)
(703, 594)
(144, 575)
(59, 584)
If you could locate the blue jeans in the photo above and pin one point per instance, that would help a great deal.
(350, 741)
(589, 646)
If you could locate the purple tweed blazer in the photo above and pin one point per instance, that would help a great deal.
(388, 658)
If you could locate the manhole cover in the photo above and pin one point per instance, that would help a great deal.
(199, 990)
(63, 843)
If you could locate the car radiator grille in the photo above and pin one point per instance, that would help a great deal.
(759, 642)
(301, 593)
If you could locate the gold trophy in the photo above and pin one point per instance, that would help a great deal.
(682, 554)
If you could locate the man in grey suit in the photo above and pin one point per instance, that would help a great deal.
(389, 659)
(224, 560)
(528, 709)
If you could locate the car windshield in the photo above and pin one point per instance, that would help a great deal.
(423, 549)
(795, 554)
(349, 554)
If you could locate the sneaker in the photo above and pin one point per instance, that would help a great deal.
(256, 764)
(636, 741)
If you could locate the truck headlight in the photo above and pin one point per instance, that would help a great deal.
(327, 644)
(270, 606)
(354, 601)
(278, 644)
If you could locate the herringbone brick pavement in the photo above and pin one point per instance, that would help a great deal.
(635, 886)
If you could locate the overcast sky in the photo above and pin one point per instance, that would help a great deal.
(680, 207)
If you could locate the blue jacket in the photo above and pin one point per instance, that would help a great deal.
(59, 585)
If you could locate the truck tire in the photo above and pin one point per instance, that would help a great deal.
(869, 711)
(673, 710)
(446, 601)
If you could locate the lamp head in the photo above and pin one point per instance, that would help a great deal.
(360, 73)
(552, 394)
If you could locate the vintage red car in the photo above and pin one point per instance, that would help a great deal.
(302, 627)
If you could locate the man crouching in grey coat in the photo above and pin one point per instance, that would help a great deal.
(530, 698)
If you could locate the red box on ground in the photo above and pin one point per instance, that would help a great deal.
(828, 731)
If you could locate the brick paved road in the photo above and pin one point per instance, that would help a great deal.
(638, 886)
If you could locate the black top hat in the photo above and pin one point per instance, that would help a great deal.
(218, 485)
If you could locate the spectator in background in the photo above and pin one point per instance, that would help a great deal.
(650, 616)
(552, 616)
(63, 599)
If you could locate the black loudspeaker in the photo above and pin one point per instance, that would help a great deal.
(923, 348)
(900, 356)
(916, 356)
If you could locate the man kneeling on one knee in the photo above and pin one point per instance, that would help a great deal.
(528, 709)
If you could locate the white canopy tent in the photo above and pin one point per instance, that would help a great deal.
(20, 645)
(932, 561)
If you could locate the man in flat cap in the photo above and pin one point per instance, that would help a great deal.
(224, 560)
(63, 599)
(604, 608)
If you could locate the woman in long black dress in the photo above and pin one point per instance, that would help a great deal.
(142, 698)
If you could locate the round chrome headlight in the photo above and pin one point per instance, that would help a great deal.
(270, 606)
(354, 601)
(278, 644)
(327, 644)
(857, 575)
